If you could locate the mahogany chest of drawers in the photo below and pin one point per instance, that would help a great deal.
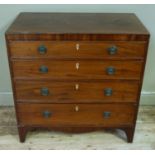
(77, 71)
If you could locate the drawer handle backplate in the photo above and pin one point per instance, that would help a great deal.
(43, 69)
(112, 50)
(46, 114)
(106, 114)
(110, 70)
(42, 49)
(108, 92)
(44, 91)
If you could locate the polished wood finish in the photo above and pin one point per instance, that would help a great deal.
(30, 91)
(68, 49)
(66, 114)
(104, 23)
(67, 70)
(64, 86)
(77, 26)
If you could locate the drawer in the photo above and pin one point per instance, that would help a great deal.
(76, 114)
(50, 69)
(77, 92)
(86, 50)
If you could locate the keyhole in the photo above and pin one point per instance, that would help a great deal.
(77, 65)
(76, 86)
(77, 47)
(76, 108)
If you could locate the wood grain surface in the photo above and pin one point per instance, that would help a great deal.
(76, 70)
(89, 92)
(86, 50)
(66, 115)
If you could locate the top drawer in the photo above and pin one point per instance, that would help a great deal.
(69, 49)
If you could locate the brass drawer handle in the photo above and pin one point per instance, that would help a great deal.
(106, 114)
(108, 92)
(46, 114)
(44, 91)
(43, 69)
(110, 70)
(112, 50)
(42, 49)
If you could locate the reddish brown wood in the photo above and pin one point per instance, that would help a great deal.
(76, 114)
(140, 87)
(77, 37)
(61, 23)
(77, 26)
(95, 34)
(129, 131)
(22, 133)
(86, 50)
(67, 70)
(30, 91)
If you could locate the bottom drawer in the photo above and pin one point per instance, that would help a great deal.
(76, 114)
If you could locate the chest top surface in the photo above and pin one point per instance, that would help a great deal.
(77, 23)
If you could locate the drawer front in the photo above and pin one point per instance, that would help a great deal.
(77, 92)
(76, 114)
(51, 69)
(99, 50)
